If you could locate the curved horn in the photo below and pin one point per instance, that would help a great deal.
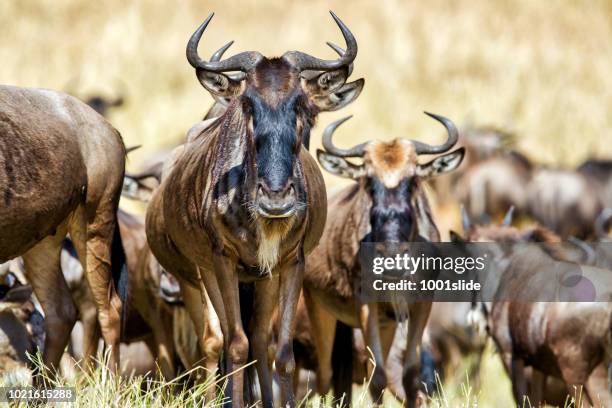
(237, 76)
(304, 61)
(584, 247)
(453, 136)
(465, 220)
(239, 62)
(508, 217)
(356, 151)
(340, 52)
(219, 53)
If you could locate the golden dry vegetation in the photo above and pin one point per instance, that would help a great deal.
(542, 69)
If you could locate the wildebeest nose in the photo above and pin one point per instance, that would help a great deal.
(277, 192)
(279, 202)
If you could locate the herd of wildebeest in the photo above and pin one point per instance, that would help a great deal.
(245, 257)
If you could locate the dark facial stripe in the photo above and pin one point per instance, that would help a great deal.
(391, 217)
(276, 140)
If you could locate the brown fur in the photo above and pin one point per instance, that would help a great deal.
(149, 316)
(61, 170)
(333, 269)
(565, 201)
(193, 234)
(568, 341)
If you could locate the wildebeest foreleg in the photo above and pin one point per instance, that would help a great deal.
(323, 332)
(291, 278)
(263, 308)
(43, 271)
(368, 318)
(519, 382)
(226, 302)
(206, 324)
(418, 315)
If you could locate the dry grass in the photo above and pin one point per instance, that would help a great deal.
(542, 69)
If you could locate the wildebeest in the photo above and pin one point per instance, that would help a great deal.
(489, 187)
(566, 340)
(599, 172)
(386, 204)
(491, 178)
(244, 201)
(149, 316)
(61, 171)
(564, 201)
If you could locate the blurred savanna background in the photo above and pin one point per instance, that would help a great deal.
(540, 69)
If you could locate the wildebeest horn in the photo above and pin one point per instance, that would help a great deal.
(356, 151)
(340, 52)
(217, 57)
(239, 62)
(584, 247)
(219, 53)
(132, 148)
(508, 217)
(453, 136)
(304, 61)
(465, 220)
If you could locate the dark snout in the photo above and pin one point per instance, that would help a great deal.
(276, 202)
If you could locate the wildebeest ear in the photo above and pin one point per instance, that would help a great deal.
(339, 166)
(326, 82)
(341, 97)
(441, 164)
(220, 85)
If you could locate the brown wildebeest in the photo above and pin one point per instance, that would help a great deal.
(244, 201)
(386, 204)
(61, 171)
(150, 314)
(599, 172)
(491, 178)
(570, 341)
(564, 201)
(489, 187)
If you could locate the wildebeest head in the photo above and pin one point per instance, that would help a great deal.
(391, 176)
(279, 99)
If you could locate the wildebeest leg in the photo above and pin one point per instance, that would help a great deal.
(92, 238)
(519, 382)
(226, 302)
(263, 308)
(323, 332)
(43, 271)
(206, 324)
(213, 337)
(91, 335)
(538, 380)
(164, 346)
(290, 286)
(368, 318)
(418, 315)
(597, 387)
